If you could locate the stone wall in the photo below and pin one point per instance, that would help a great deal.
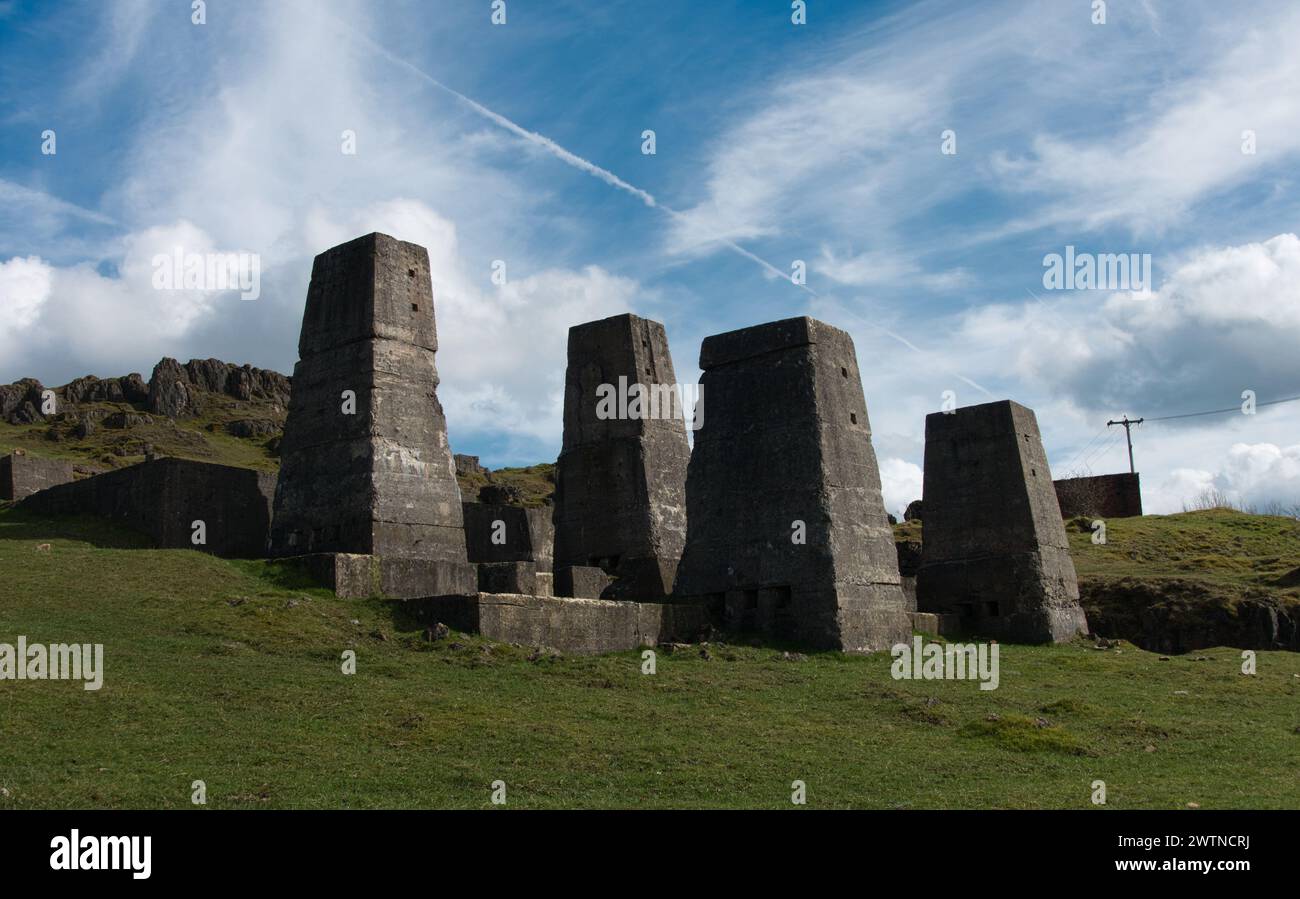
(1103, 496)
(164, 497)
(787, 532)
(380, 480)
(22, 475)
(994, 549)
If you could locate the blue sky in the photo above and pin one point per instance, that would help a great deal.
(819, 142)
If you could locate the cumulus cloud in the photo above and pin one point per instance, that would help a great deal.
(900, 482)
(1260, 476)
(1225, 320)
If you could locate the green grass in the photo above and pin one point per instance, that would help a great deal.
(1220, 546)
(229, 672)
(535, 482)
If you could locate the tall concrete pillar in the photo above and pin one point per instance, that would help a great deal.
(619, 484)
(993, 547)
(365, 464)
(787, 532)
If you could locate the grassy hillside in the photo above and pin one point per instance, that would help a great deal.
(203, 438)
(229, 672)
(1220, 546)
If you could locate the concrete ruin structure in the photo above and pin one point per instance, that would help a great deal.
(571, 625)
(22, 475)
(787, 532)
(512, 546)
(164, 498)
(620, 479)
(365, 464)
(1102, 496)
(994, 550)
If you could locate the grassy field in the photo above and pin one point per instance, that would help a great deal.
(229, 672)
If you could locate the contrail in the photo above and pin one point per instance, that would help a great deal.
(550, 146)
(603, 174)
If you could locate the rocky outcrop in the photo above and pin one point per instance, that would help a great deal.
(177, 390)
(913, 511)
(20, 402)
(174, 390)
(252, 427)
(124, 420)
(90, 389)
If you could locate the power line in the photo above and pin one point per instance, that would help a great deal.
(1101, 450)
(1289, 399)
(1069, 466)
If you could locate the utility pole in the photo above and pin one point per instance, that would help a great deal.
(1128, 423)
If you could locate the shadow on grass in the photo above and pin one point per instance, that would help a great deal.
(19, 525)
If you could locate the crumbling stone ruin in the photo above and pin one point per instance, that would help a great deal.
(786, 527)
(1103, 496)
(619, 495)
(366, 467)
(994, 550)
(22, 475)
(164, 499)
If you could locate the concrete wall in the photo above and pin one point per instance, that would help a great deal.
(574, 626)
(164, 497)
(23, 475)
(1104, 496)
(529, 534)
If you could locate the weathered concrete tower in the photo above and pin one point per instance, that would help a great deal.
(994, 549)
(787, 532)
(620, 479)
(365, 464)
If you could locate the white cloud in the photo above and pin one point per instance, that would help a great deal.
(1185, 143)
(900, 483)
(1260, 476)
(24, 289)
(1225, 320)
(807, 130)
